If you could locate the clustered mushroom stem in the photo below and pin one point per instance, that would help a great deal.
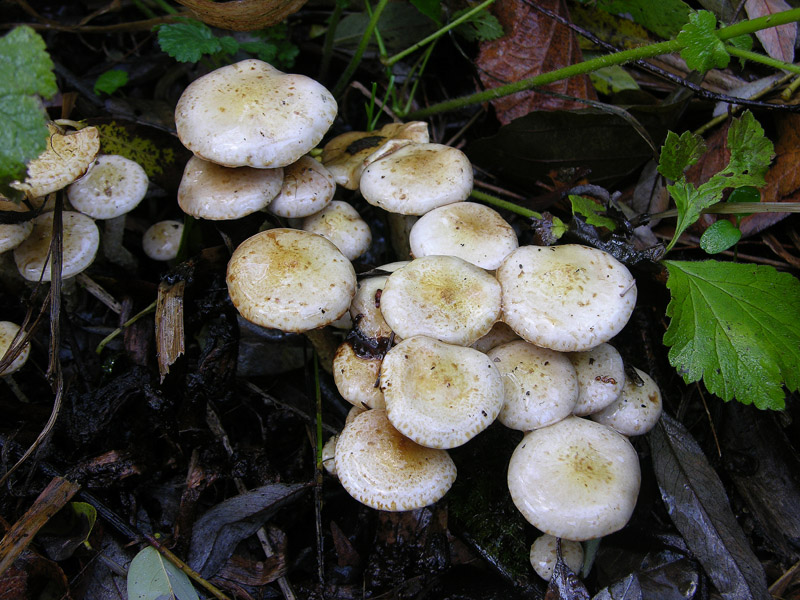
(505, 205)
(114, 229)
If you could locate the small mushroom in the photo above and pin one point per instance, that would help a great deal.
(575, 479)
(638, 408)
(251, 114)
(80, 241)
(340, 223)
(217, 193)
(438, 394)
(543, 555)
(442, 297)
(366, 308)
(113, 186)
(567, 298)
(307, 188)
(500, 333)
(356, 377)
(467, 230)
(162, 240)
(290, 280)
(380, 467)
(8, 331)
(601, 377)
(13, 234)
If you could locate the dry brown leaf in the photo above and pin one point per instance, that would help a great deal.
(533, 44)
(779, 41)
(243, 15)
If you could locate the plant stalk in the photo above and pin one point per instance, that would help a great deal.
(362, 46)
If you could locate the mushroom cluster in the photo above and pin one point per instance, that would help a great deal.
(473, 329)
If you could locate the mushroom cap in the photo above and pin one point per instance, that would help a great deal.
(251, 114)
(365, 309)
(340, 223)
(380, 467)
(601, 377)
(543, 555)
(637, 410)
(307, 188)
(8, 331)
(541, 386)
(113, 186)
(438, 394)
(13, 234)
(80, 241)
(443, 297)
(162, 240)
(217, 193)
(329, 455)
(356, 378)
(500, 333)
(346, 154)
(417, 178)
(471, 231)
(575, 479)
(67, 157)
(567, 298)
(290, 280)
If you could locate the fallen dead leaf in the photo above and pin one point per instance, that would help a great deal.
(779, 41)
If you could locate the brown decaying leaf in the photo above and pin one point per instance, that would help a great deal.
(533, 44)
(243, 15)
(778, 42)
(169, 325)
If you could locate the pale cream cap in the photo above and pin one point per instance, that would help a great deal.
(13, 234)
(543, 555)
(8, 332)
(356, 377)
(366, 308)
(162, 240)
(340, 223)
(637, 410)
(601, 377)
(307, 188)
(113, 186)
(251, 114)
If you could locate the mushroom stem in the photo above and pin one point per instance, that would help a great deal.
(113, 249)
(9, 380)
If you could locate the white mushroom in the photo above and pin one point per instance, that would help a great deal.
(356, 377)
(211, 191)
(601, 376)
(251, 114)
(13, 234)
(575, 479)
(366, 308)
(637, 409)
(440, 395)
(290, 280)
(307, 188)
(543, 555)
(380, 467)
(443, 297)
(113, 186)
(500, 333)
(467, 230)
(567, 298)
(162, 240)
(340, 223)
(8, 331)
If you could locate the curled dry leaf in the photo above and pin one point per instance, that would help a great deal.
(243, 15)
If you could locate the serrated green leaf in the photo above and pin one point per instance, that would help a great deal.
(430, 8)
(228, 44)
(679, 153)
(110, 81)
(25, 66)
(737, 327)
(702, 49)
(483, 26)
(720, 236)
(152, 577)
(664, 18)
(188, 41)
(591, 210)
(751, 152)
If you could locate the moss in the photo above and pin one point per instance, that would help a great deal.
(116, 138)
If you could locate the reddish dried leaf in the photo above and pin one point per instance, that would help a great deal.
(778, 42)
(28, 577)
(533, 44)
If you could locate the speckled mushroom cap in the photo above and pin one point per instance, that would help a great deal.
(638, 408)
(601, 376)
(443, 297)
(80, 241)
(307, 188)
(541, 386)
(365, 308)
(567, 298)
(211, 191)
(345, 155)
(290, 280)
(467, 230)
(341, 224)
(543, 555)
(575, 479)
(162, 240)
(67, 157)
(500, 333)
(251, 114)
(113, 186)
(13, 234)
(438, 394)
(417, 178)
(356, 377)
(8, 332)
(380, 467)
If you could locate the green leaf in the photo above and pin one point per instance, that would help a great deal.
(702, 49)
(679, 153)
(720, 236)
(430, 8)
(26, 72)
(613, 79)
(742, 42)
(664, 18)
(110, 81)
(590, 209)
(483, 26)
(751, 152)
(228, 44)
(188, 41)
(736, 326)
(152, 577)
